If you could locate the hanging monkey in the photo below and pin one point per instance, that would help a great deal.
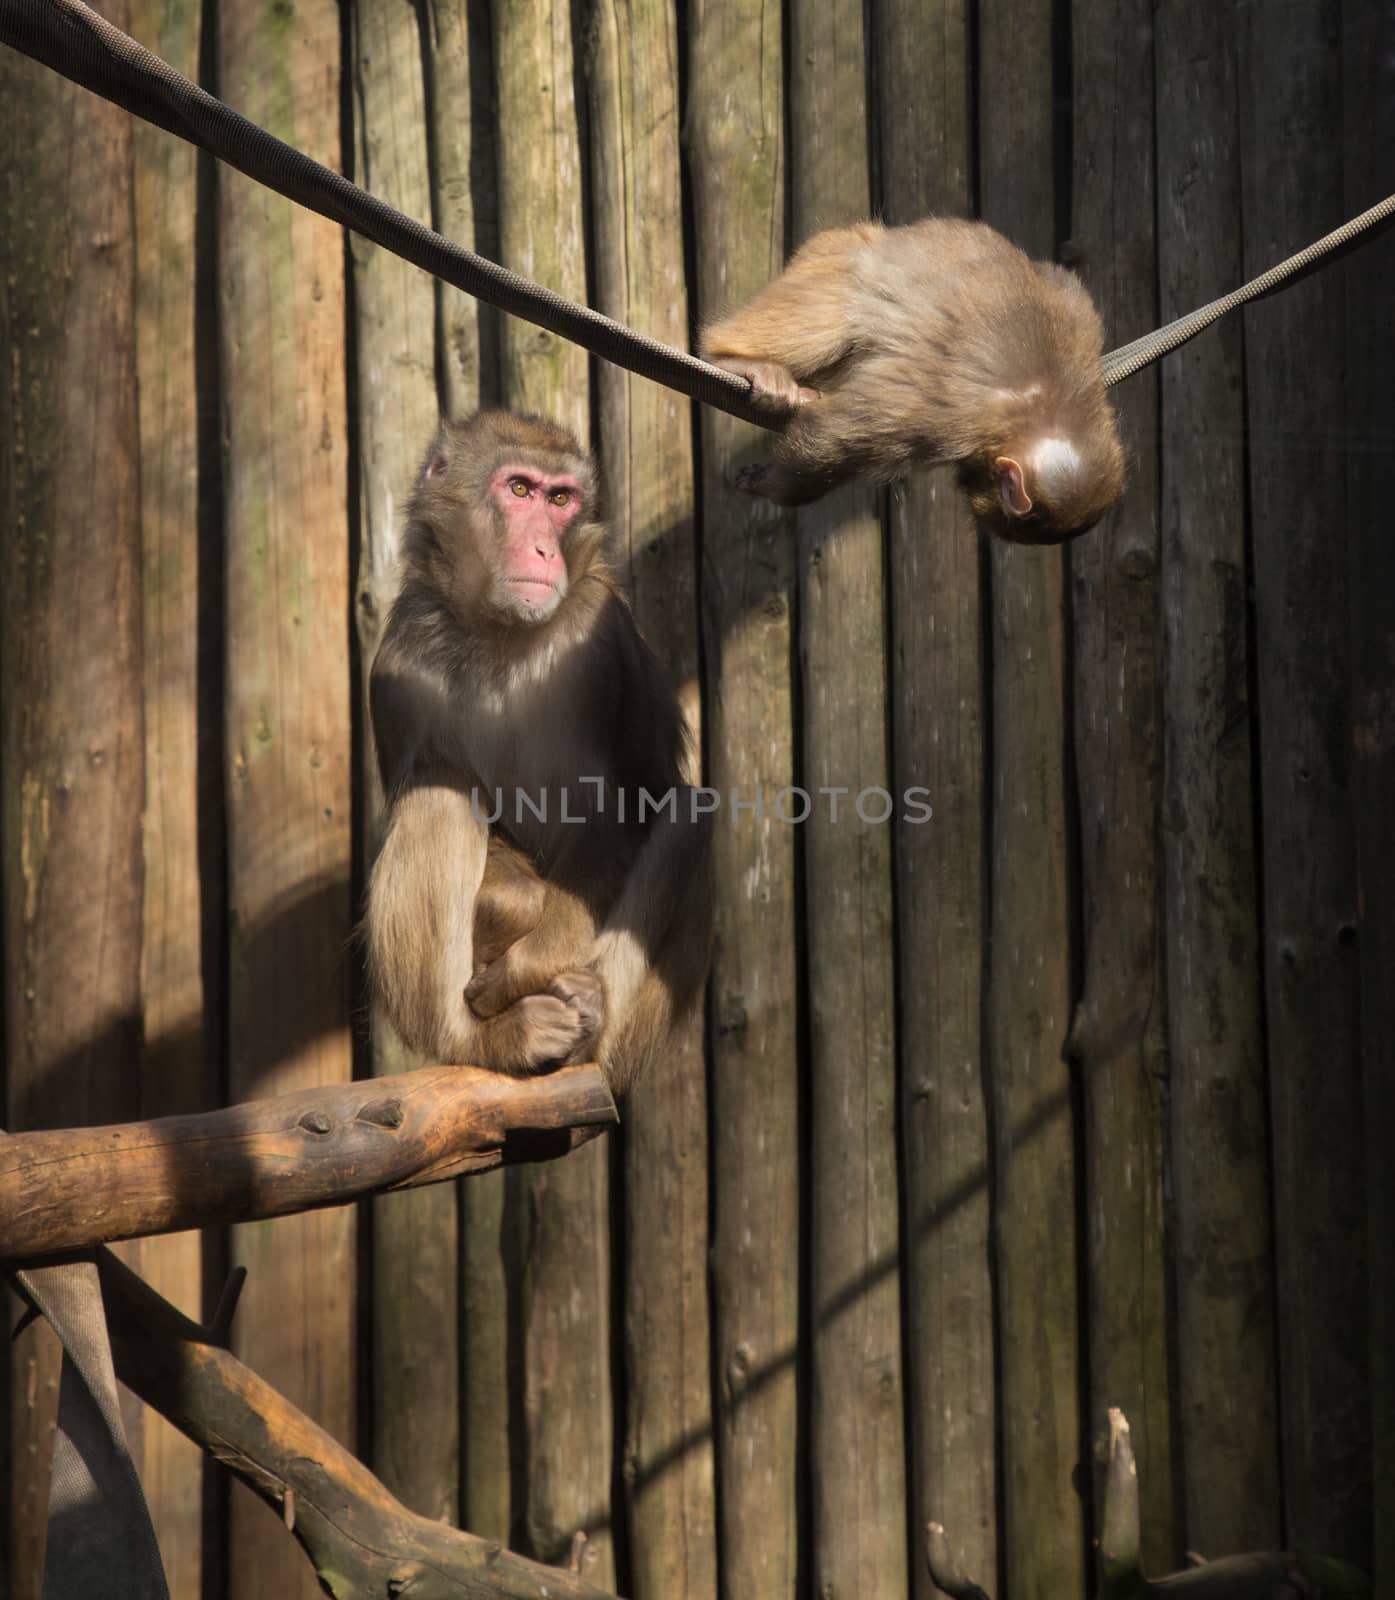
(935, 343)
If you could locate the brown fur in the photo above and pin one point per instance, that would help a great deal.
(938, 342)
(525, 942)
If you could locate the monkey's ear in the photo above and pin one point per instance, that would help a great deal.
(436, 465)
(1011, 487)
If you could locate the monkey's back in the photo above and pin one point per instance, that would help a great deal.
(949, 322)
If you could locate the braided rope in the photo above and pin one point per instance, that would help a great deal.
(1131, 358)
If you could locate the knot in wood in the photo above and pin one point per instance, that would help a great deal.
(318, 1122)
(1137, 561)
(382, 1113)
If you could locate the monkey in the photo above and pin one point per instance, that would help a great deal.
(937, 342)
(527, 907)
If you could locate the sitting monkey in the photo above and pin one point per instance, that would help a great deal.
(883, 348)
(511, 673)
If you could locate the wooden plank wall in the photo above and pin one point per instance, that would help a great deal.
(1074, 1094)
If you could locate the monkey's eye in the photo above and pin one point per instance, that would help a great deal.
(520, 486)
(560, 497)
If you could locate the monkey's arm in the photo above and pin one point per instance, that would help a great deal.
(801, 321)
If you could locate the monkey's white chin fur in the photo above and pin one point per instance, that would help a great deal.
(528, 601)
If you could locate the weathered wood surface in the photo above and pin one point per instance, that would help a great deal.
(182, 914)
(415, 1415)
(937, 704)
(735, 139)
(1290, 108)
(459, 57)
(459, 64)
(567, 1284)
(1227, 1436)
(1369, 158)
(646, 446)
(74, 1187)
(287, 719)
(71, 738)
(1118, 1041)
(1029, 981)
(360, 1540)
(856, 1421)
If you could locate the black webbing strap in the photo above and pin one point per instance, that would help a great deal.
(72, 39)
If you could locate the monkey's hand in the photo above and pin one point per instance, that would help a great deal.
(774, 388)
(585, 994)
(545, 1030)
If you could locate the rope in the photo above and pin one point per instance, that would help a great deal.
(1131, 358)
(73, 40)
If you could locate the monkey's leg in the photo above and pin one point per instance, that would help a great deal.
(421, 903)
(798, 322)
(784, 485)
(560, 941)
(653, 951)
(510, 901)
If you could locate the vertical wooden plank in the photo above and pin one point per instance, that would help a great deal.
(1029, 989)
(282, 295)
(857, 1446)
(1117, 1039)
(415, 1415)
(71, 735)
(735, 138)
(178, 1067)
(1291, 111)
(1368, 81)
(465, 196)
(570, 1424)
(1228, 1434)
(647, 456)
(465, 183)
(937, 698)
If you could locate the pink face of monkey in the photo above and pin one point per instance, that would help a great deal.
(533, 510)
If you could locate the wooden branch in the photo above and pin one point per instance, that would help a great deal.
(1264, 1575)
(362, 1542)
(71, 1188)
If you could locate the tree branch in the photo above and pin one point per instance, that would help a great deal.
(72, 1188)
(363, 1543)
(1266, 1575)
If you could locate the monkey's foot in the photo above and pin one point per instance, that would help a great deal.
(782, 485)
(753, 479)
(774, 388)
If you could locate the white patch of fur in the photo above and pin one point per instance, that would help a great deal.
(622, 962)
(1053, 460)
(1030, 391)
